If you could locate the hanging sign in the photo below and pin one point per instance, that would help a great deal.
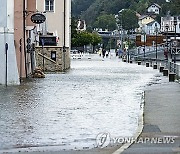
(38, 18)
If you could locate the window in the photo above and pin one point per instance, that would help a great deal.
(49, 5)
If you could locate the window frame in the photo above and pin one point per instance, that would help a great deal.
(49, 5)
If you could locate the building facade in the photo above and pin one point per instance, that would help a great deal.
(151, 28)
(57, 25)
(22, 33)
(8, 66)
(154, 8)
(17, 29)
(144, 20)
(169, 21)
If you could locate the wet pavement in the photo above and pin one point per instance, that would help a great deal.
(70, 109)
(161, 132)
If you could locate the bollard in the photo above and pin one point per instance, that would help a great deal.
(147, 64)
(172, 77)
(161, 68)
(155, 66)
(131, 61)
(165, 72)
(139, 62)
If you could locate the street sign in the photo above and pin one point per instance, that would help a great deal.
(38, 18)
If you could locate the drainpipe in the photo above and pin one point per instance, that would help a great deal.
(64, 45)
(24, 35)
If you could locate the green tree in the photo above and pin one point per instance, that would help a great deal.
(81, 39)
(129, 19)
(106, 22)
(96, 39)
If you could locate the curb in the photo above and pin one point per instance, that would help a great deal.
(139, 129)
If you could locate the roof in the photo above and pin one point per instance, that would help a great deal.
(155, 5)
(144, 16)
(151, 23)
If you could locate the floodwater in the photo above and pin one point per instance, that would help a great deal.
(70, 109)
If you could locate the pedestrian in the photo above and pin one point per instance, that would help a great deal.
(107, 54)
(103, 52)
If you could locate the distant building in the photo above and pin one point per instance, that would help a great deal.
(81, 25)
(150, 28)
(144, 20)
(169, 21)
(154, 8)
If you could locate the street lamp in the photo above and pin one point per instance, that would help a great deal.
(156, 31)
(175, 24)
(167, 27)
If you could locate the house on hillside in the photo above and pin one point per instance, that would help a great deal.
(150, 28)
(154, 8)
(144, 20)
(81, 25)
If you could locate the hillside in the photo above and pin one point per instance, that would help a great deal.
(90, 10)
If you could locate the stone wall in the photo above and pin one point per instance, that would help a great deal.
(61, 63)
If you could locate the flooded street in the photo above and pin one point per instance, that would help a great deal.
(69, 110)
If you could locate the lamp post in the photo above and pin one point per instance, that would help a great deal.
(175, 24)
(167, 27)
(156, 31)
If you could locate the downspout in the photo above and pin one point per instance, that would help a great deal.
(64, 45)
(24, 35)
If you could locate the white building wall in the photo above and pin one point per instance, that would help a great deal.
(55, 20)
(170, 22)
(150, 29)
(7, 36)
(154, 9)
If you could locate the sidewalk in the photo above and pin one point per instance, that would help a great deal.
(161, 119)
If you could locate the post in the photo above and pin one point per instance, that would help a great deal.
(43, 54)
(128, 50)
(156, 30)
(6, 52)
(24, 35)
(144, 45)
(20, 48)
(175, 23)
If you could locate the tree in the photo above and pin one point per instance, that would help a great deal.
(106, 22)
(96, 39)
(129, 19)
(81, 39)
